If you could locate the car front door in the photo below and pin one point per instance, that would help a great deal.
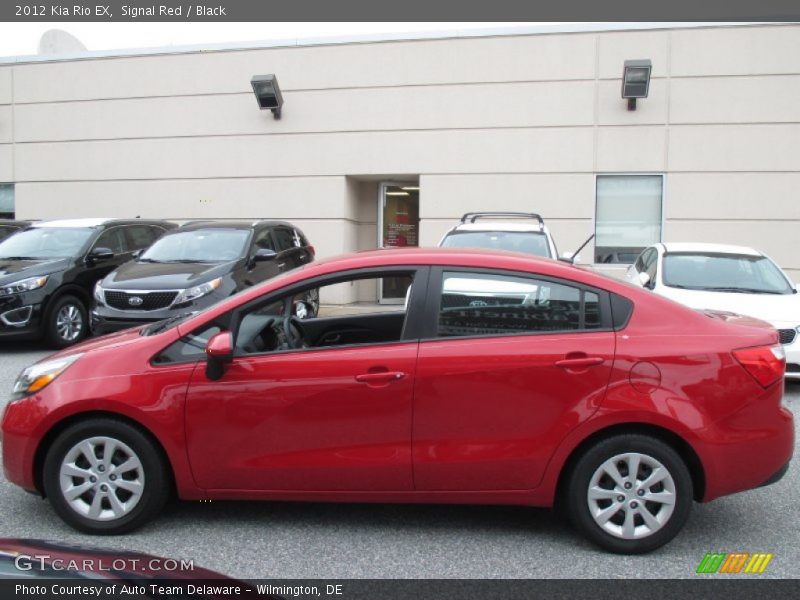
(332, 418)
(513, 364)
(256, 271)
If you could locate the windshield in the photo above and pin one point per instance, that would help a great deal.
(529, 242)
(45, 242)
(724, 273)
(199, 245)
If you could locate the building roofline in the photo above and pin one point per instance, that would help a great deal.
(411, 36)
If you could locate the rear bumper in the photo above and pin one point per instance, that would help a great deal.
(750, 448)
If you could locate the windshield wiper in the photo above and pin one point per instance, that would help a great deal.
(185, 261)
(148, 260)
(741, 290)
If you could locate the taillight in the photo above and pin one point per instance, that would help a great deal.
(311, 249)
(765, 363)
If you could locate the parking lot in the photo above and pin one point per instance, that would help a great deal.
(391, 541)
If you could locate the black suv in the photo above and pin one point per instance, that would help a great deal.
(195, 266)
(48, 271)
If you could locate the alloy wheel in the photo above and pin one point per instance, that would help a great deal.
(69, 323)
(101, 478)
(631, 496)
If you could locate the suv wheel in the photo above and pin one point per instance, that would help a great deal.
(629, 494)
(67, 322)
(103, 476)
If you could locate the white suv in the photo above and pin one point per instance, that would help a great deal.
(518, 232)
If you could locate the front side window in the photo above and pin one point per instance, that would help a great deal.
(528, 242)
(198, 245)
(724, 273)
(338, 314)
(627, 216)
(263, 241)
(113, 239)
(488, 304)
(46, 242)
(141, 236)
(285, 239)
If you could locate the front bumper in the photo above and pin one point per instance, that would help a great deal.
(793, 358)
(21, 315)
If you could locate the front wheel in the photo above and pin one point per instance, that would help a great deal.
(629, 494)
(67, 322)
(104, 476)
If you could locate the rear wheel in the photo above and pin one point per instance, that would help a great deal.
(629, 494)
(104, 476)
(67, 322)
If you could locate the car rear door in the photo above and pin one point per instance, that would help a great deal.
(512, 363)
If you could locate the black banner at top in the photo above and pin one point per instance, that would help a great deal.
(400, 10)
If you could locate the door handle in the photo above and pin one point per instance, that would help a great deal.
(581, 362)
(382, 377)
(281, 265)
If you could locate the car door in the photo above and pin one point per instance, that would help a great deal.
(257, 271)
(334, 418)
(113, 239)
(513, 363)
(290, 254)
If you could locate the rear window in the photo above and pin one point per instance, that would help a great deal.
(527, 242)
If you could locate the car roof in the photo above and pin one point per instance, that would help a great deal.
(710, 248)
(500, 226)
(93, 223)
(231, 224)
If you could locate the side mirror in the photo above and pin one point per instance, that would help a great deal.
(263, 255)
(644, 279)
(219, 350)
(136, 254)
(100, 253)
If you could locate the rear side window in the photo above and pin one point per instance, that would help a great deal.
(284, 239)
(489, 304)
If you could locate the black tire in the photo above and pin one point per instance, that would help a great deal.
(589, 464)
(156, 478)
(68, 304)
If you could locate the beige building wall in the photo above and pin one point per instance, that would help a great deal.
(514, 122)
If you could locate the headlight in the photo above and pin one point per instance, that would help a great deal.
(38, 376)
(98, 293)
(23, 285)
(198, 291)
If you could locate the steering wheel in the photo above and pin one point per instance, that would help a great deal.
(293, 331)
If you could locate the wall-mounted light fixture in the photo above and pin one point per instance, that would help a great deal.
(268, 94)
(636, 80)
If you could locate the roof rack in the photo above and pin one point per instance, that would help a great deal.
(474, 216)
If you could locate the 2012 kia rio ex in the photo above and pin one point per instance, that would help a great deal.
(502, 379)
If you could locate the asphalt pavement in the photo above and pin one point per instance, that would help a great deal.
(299, 540)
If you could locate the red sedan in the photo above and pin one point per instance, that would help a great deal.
(495, 379)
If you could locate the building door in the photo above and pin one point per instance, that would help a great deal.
(398, 227)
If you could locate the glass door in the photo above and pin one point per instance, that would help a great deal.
(398, 227)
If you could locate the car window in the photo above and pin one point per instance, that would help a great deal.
(284, 239)
(112, 239)
(724, 273)
(189, 348)
(529, 242)
(46, 242)
(488, 304)
(264, 241)
(199, 245)
(141, 236)
(338, 314)
(651, 264)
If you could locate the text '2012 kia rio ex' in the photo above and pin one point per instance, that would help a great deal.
(502, 379)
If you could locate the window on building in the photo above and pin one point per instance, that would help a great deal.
(627, 216)
(6, 200)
